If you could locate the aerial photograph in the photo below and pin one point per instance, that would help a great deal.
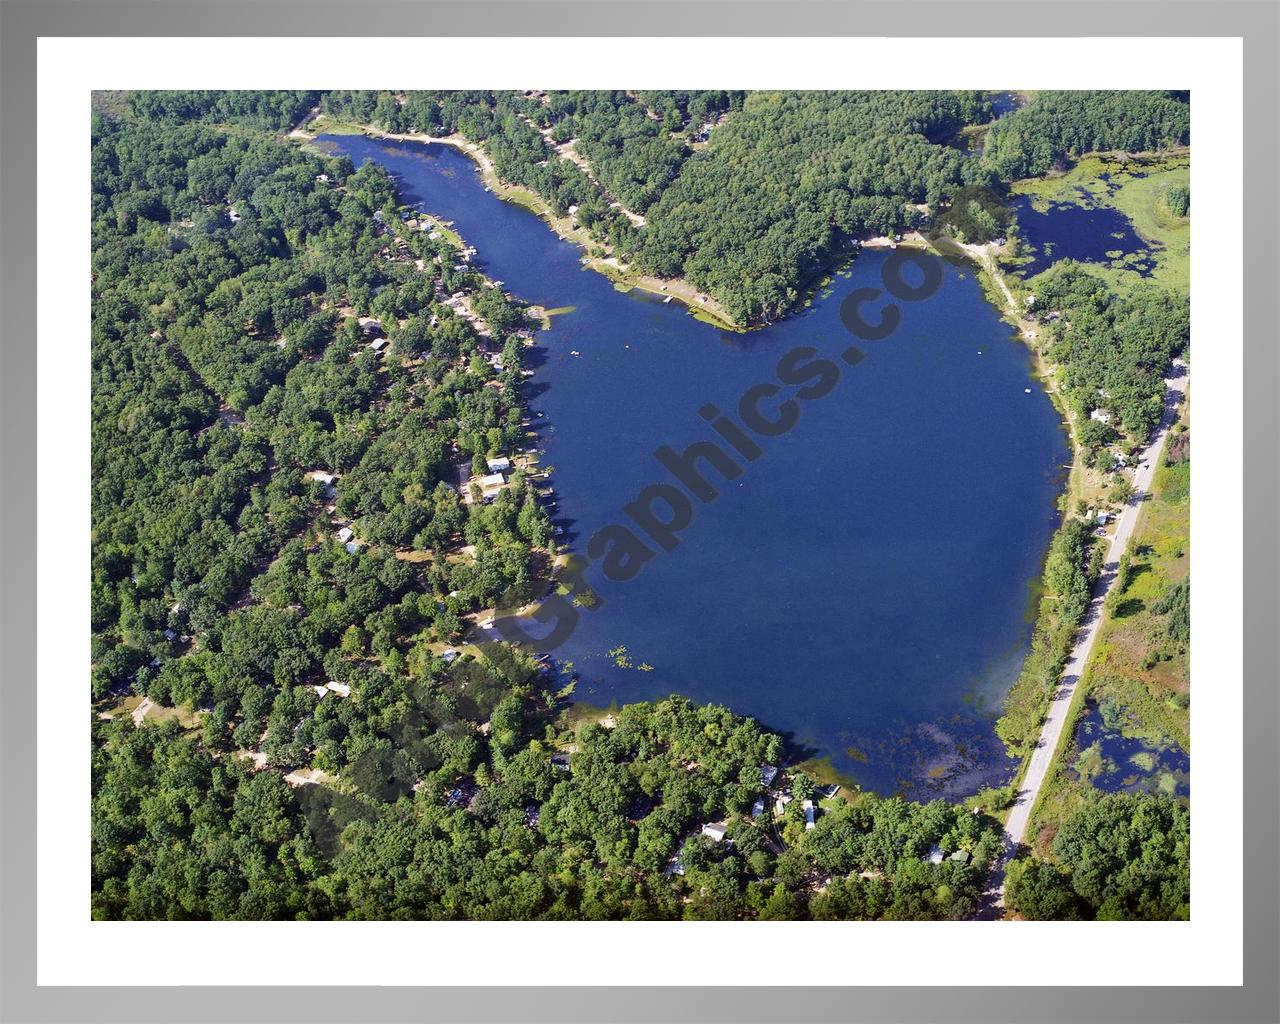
(640, 505)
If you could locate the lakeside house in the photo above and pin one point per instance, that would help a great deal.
(767, 774)
(499, 465)
(810, 814)
(780, 804)
(341, 689)
(1100, 415)
(715, 830)
(490, 485)
(935, 855)
(757, 808)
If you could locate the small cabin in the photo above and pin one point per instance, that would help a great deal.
(715, 831)
(345, 534)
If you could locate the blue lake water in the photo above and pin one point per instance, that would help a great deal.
(1123, 763)
(863, 587)
(1082, 232)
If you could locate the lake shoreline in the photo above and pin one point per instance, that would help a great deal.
(983, 257)
(700, 304)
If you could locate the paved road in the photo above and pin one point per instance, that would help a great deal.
(1015, 828)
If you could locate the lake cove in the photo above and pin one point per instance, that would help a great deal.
(863, 586)
(1080, 231)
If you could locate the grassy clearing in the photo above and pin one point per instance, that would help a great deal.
(324, 124)
(153, 714)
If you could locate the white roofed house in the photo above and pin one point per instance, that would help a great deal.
(327, 481)
(810, 814)
(490, 485)
(345, 534)
(379, 344)
(716, 831)
(499, 465)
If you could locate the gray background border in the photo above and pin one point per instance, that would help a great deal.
(1258, 22)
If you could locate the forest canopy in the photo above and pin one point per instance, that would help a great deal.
(752, 196)
(1059, 124)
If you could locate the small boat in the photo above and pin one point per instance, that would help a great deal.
(1026, 391)
(667, 299)
(574, 352)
